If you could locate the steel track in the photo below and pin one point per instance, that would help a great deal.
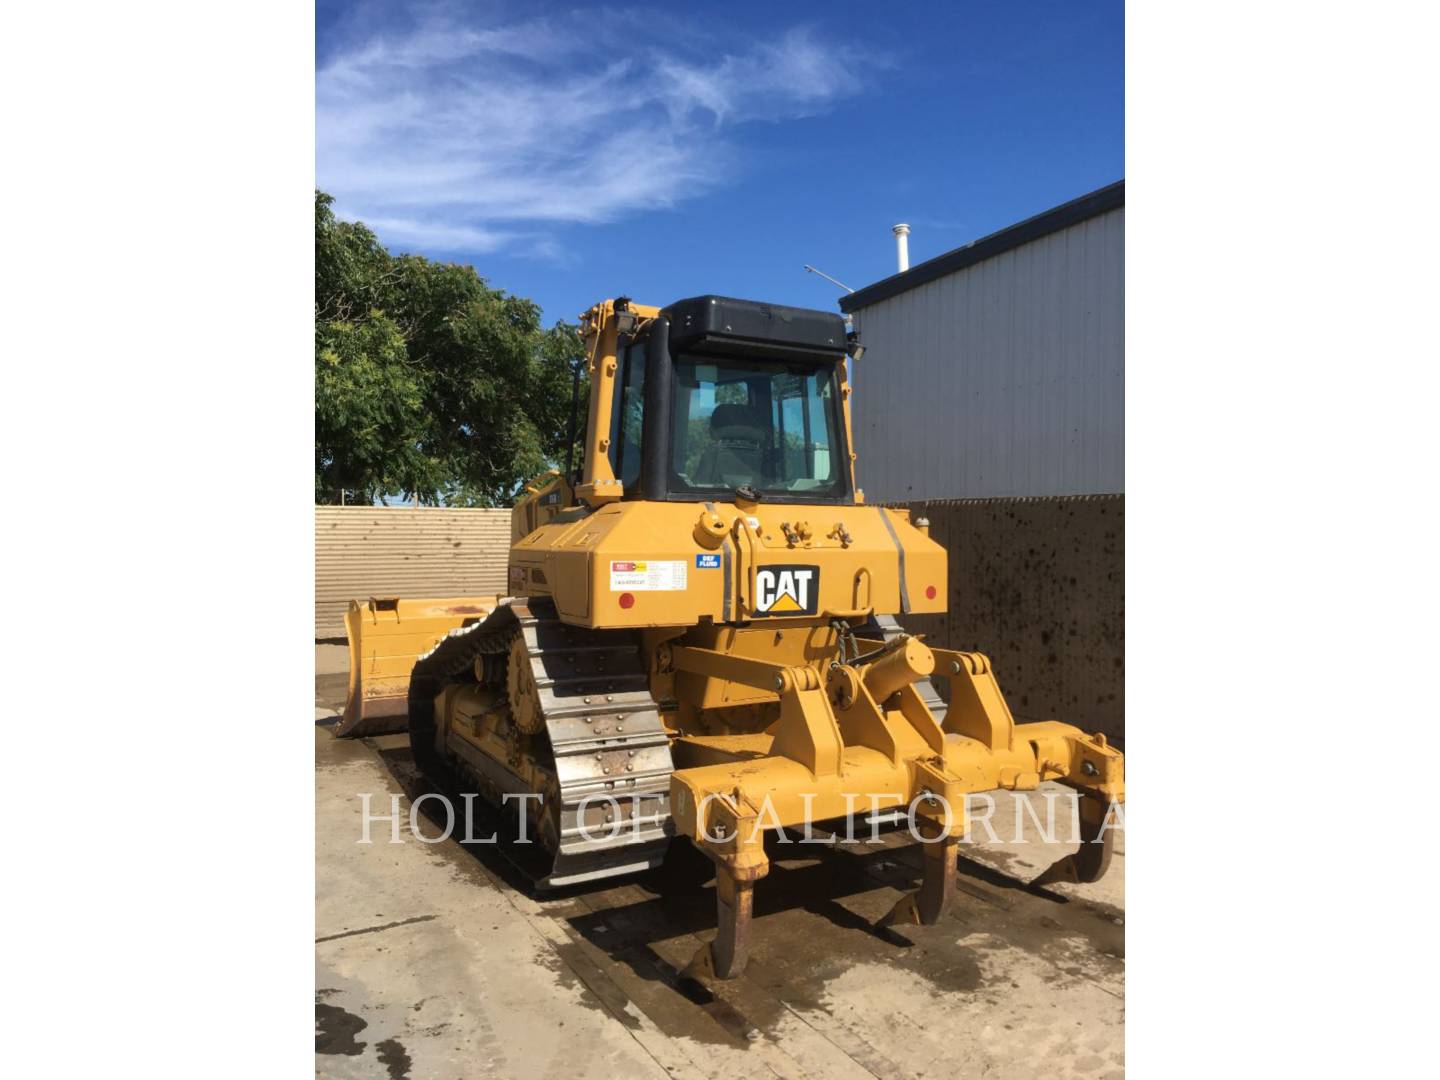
(604, 748)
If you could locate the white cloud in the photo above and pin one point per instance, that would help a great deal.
(432, 235)
(460, 137)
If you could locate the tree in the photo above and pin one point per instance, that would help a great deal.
(427, 381)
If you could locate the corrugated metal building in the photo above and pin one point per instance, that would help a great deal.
(998, 369)
(991, 400)
(365, 551)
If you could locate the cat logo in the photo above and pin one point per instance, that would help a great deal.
(787, 590)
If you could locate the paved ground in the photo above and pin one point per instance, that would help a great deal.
(435, 961)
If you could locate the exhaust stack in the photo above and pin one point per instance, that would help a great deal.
(902, 246)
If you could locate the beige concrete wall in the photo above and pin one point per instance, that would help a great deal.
(1038, 585)
(364, 551)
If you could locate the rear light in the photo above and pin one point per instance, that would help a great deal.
(627, 600)
(929, 592)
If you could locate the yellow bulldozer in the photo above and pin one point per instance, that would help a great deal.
(702, 636)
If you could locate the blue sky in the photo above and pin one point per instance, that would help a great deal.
(574, 152)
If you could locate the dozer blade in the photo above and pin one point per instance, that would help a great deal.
(386, 637)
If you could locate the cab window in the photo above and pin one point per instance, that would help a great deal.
(769, 426)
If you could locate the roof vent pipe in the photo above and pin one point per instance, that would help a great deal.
(902, 246)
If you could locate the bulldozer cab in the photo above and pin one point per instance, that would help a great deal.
(710, 397)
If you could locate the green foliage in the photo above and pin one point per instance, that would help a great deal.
(698, 440)
(427, 381)
(732, 393)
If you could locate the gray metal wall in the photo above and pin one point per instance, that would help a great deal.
(1003, 379)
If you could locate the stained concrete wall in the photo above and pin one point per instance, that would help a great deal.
(1038, 585)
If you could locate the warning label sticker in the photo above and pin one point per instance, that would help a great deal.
(648, 576)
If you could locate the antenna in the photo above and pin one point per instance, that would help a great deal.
(828, 278)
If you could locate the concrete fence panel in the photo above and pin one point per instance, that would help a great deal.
(364, 551)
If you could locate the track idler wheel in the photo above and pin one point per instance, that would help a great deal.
(1092, 860)
(421, 725)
